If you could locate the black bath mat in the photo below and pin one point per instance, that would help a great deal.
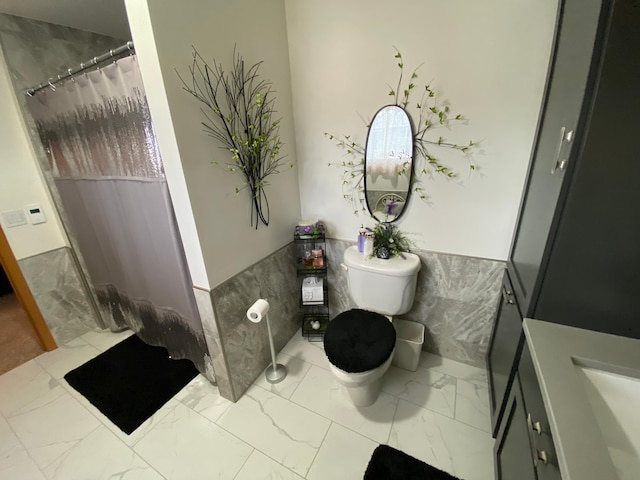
(387, 463)
(129, 382)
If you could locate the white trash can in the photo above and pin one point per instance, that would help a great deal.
(409, 340)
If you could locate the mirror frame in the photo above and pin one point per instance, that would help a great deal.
(408, 193)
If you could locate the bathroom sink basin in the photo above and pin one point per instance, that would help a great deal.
(590, 383)
(614, 398)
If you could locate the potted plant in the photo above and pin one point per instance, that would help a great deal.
(311, 230)
(388, 241)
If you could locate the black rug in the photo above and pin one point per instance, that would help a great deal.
(129, 382)
(387, 463)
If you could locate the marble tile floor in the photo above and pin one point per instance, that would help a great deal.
(300, 428)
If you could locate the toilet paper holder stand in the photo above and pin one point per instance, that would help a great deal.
(276, 372)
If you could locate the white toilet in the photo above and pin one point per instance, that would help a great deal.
(360, 342)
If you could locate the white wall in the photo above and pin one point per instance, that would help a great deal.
(214, 222)
(488, 58)
(21, 182)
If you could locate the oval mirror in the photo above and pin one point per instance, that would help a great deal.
(388, 163)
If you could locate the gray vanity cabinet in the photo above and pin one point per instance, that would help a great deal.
(503, 349)
(575, 255)
(524, 449)
(550, 169)
(513, 449)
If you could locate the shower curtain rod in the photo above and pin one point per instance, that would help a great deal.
(83, 66)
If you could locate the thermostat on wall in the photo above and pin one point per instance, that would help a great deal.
(36, 215)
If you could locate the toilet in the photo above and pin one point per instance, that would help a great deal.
(360, 343)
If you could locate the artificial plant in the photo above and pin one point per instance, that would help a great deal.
(432, 114)
(238, 108)
(388, 241)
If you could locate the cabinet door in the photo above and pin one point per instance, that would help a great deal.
(566, 87)
(591, 280)
(503, 349)
(513, 447)
(542, 442)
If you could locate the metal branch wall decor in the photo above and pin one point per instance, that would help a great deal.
(238, 108)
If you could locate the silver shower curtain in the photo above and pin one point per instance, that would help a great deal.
(105, 163)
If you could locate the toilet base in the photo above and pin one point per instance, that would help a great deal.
(365, 395)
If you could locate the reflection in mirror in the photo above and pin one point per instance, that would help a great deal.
(388, 163)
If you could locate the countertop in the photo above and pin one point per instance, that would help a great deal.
(555, 350)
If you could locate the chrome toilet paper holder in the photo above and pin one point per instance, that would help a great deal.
(276, 372)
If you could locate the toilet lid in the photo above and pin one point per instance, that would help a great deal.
(359, 340)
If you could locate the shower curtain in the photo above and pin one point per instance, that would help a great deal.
(105, 164)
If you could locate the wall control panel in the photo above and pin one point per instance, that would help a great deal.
(35, 214)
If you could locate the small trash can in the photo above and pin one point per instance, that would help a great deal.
(409, 340)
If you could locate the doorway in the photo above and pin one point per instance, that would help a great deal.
(23, 332)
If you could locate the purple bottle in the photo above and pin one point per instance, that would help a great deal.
(361, 235)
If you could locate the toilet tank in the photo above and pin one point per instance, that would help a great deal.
(383, 286)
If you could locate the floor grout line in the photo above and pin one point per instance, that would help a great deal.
(194, 396)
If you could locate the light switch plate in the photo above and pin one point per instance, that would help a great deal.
(13, 218)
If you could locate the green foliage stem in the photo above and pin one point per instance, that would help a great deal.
(432, 114)
(238, 108)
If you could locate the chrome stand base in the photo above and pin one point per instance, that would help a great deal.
(277, 374)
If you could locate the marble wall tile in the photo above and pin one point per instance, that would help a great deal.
(456, 300)
(245, 345)
(219, 374)
(59, 293)
(339, 298)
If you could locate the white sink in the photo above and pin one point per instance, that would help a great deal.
(615, 401)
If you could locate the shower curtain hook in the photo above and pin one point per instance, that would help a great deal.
(51, 85)
(71, 76)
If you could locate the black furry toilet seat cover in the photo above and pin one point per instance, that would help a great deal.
(358, 340)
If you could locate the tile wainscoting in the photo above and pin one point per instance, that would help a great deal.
(456, 300)
(55, 283)
(240, 349)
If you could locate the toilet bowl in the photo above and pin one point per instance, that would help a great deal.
(360, 343)
(362, 388)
